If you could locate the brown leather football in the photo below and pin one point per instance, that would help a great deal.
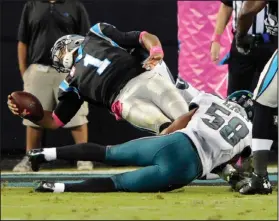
(29, 106)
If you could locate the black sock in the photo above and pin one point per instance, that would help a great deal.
(164, 126)
(260, 162)
(85, 151)
(92, 185)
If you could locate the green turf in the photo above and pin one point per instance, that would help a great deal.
(209, 203)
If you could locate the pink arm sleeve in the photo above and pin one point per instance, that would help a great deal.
(57, 120)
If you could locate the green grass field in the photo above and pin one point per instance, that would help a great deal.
(203, 203)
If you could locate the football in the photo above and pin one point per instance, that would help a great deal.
(28, 105)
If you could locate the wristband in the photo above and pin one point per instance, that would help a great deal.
(156, 49)
(141, 34)
(58, 122)
(216, 38)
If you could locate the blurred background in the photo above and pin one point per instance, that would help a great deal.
(184, 28)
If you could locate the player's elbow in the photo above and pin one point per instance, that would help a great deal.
(150, 39)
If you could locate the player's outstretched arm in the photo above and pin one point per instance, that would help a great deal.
(63, 113)
(46, 122)
(179, 123)
(133, 39)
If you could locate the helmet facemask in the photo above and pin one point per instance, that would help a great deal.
(63, 52)
(68, 59)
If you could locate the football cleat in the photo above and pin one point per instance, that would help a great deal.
(181, 84)
(36, 158)
(257, 185)
(45, 186)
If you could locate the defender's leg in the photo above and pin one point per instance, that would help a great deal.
(266, 101)
(170, 162)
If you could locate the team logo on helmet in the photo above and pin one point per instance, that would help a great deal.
(244, 99)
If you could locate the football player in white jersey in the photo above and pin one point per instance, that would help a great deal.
(265, 95)
(213, 133)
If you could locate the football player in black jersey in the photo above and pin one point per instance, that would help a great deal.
(265, 95)
(107, 68)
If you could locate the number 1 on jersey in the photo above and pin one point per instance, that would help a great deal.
(101, 65)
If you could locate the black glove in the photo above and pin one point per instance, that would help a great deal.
(244, 43)
(236, 178)
(239, 179)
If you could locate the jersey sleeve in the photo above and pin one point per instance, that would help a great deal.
(23, 25)
(69, 103)
(227, 2)
(117, 38)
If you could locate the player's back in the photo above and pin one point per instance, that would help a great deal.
(218, 130)
(103, 67)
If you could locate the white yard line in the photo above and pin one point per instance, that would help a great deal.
(106, 171)
(101, 171)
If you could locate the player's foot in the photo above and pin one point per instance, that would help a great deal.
(50, 187)
(23, 166)
(44, 186)
(84, 165)
(36, 158)
(257, 185)
(181, 84)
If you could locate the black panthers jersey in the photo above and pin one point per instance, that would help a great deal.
(106, 61)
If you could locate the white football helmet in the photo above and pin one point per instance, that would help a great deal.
(63, 50)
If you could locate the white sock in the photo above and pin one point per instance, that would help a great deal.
(261, 144)
(50, 153)
(59, 187)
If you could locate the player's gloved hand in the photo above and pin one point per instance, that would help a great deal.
(12, 106)
(244, 43)
(155, 57)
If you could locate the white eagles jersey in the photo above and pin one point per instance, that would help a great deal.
(218, 131)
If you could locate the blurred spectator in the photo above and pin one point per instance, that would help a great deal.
(41, 24)
(244, 70)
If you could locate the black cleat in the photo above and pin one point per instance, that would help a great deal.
(36, 158)
(181, 84)
(257, 185)
(45, 187)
